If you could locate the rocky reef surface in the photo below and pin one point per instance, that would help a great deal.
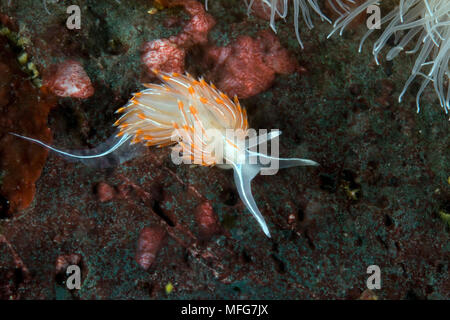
(380, 197)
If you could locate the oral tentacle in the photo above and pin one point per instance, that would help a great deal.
(243, 175)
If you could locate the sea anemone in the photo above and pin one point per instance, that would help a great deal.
(342, 7)
(425, 22)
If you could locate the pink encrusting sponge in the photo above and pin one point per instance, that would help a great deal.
(68, 79)
(196, 118)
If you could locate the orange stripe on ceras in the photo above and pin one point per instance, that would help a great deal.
(227, 105)
(184, 147)
(181, 107)
(203, 100)
(226, 98)
(194, 146)
(142, 116)
(191, 90)
(239, 107)
(245, 119)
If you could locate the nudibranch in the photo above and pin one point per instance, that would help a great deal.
(197, 119)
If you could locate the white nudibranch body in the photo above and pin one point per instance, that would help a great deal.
(205, 126)
(425, 22)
